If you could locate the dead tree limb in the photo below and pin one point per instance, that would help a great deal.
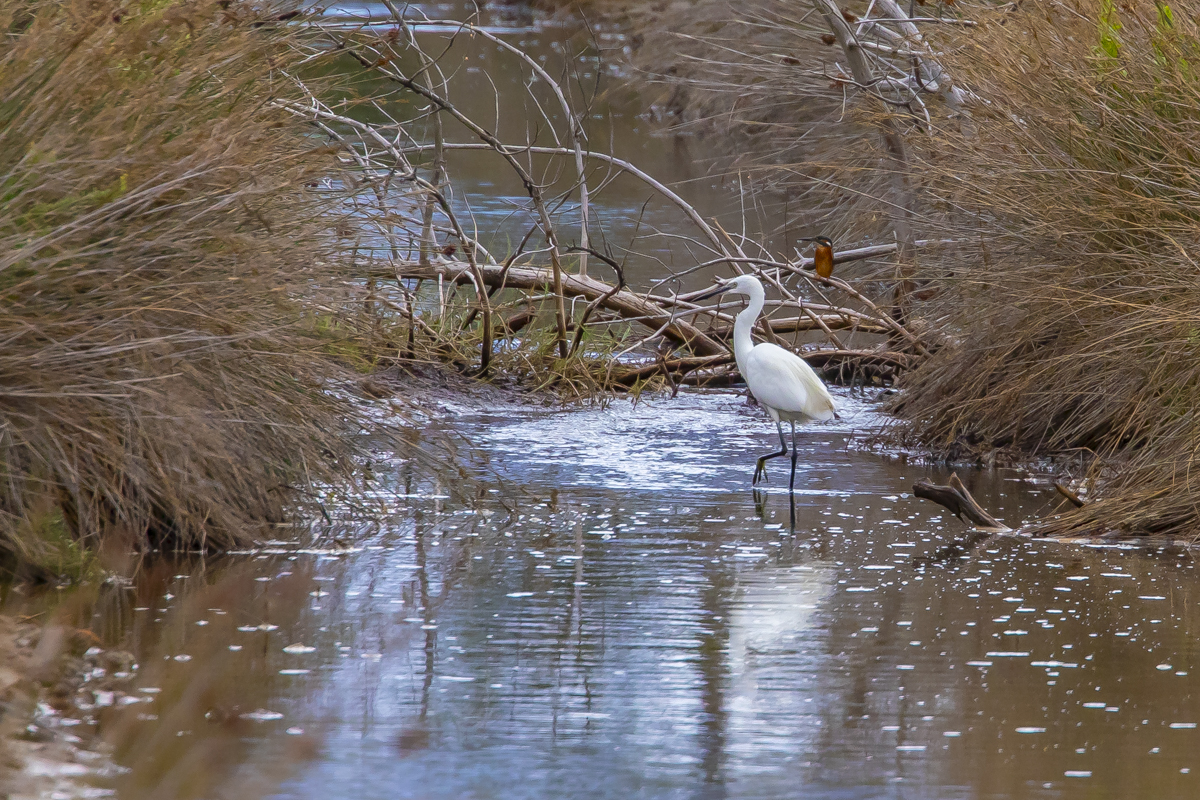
(575, 132)
(390, 71)
(1074, 499)
(682, 366)
(955, 497)
(818, 359)
(622, 302)
(599, 301)
(815, 322)
(405, 213)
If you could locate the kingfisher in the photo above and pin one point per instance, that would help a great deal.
(822, 255)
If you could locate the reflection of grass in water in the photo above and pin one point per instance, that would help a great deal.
(191, 740)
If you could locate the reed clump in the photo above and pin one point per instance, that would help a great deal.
(1064, 196)
(1072, 301)
(163, 378)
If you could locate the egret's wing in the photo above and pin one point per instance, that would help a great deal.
(780, 379)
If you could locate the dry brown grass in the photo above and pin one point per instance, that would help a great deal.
(1074, 302)
(161, 378)
(1069, 308)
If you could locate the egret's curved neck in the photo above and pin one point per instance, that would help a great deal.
(742, 343)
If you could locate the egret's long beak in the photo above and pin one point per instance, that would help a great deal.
(716, 290)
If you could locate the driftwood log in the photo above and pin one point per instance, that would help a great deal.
(958, 500)
(671, 318)
(955, 497)
(623, 302)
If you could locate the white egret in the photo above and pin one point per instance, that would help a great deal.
(779, 379)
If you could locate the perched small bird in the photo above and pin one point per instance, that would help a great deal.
(822, 255)
(779, 379)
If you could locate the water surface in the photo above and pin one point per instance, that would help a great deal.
(618, 615)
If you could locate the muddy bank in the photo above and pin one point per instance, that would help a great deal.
(54, 683)
(118, 696)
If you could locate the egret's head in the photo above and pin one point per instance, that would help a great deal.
(742, 284)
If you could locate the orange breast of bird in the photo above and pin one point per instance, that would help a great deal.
(823, 261)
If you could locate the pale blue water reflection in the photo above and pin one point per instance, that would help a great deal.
(653, 632)
(614, 613)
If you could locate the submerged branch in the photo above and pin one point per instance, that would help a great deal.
(955, 497)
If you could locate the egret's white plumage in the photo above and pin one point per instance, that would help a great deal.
(779, 379)
(786, 386)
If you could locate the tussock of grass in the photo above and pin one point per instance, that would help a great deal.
(1068, 308)
(1075, 301)
(158, 381)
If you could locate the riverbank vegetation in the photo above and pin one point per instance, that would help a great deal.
(222, 222)
(1074, 295)
(1050, 149)
(163, 270)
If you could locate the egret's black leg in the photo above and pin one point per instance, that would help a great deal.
(792, 508)
(792, 483)
(760, 470)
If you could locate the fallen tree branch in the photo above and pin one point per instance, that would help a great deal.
(667, 366)
(599, 301)
(1075, 499)
(806, 263)
(817, 322)
(622, 302)
(883, 317)
(818, 359)
(955, 497)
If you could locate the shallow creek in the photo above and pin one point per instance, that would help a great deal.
(613, 613)
(618, 615)
(644, 230)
